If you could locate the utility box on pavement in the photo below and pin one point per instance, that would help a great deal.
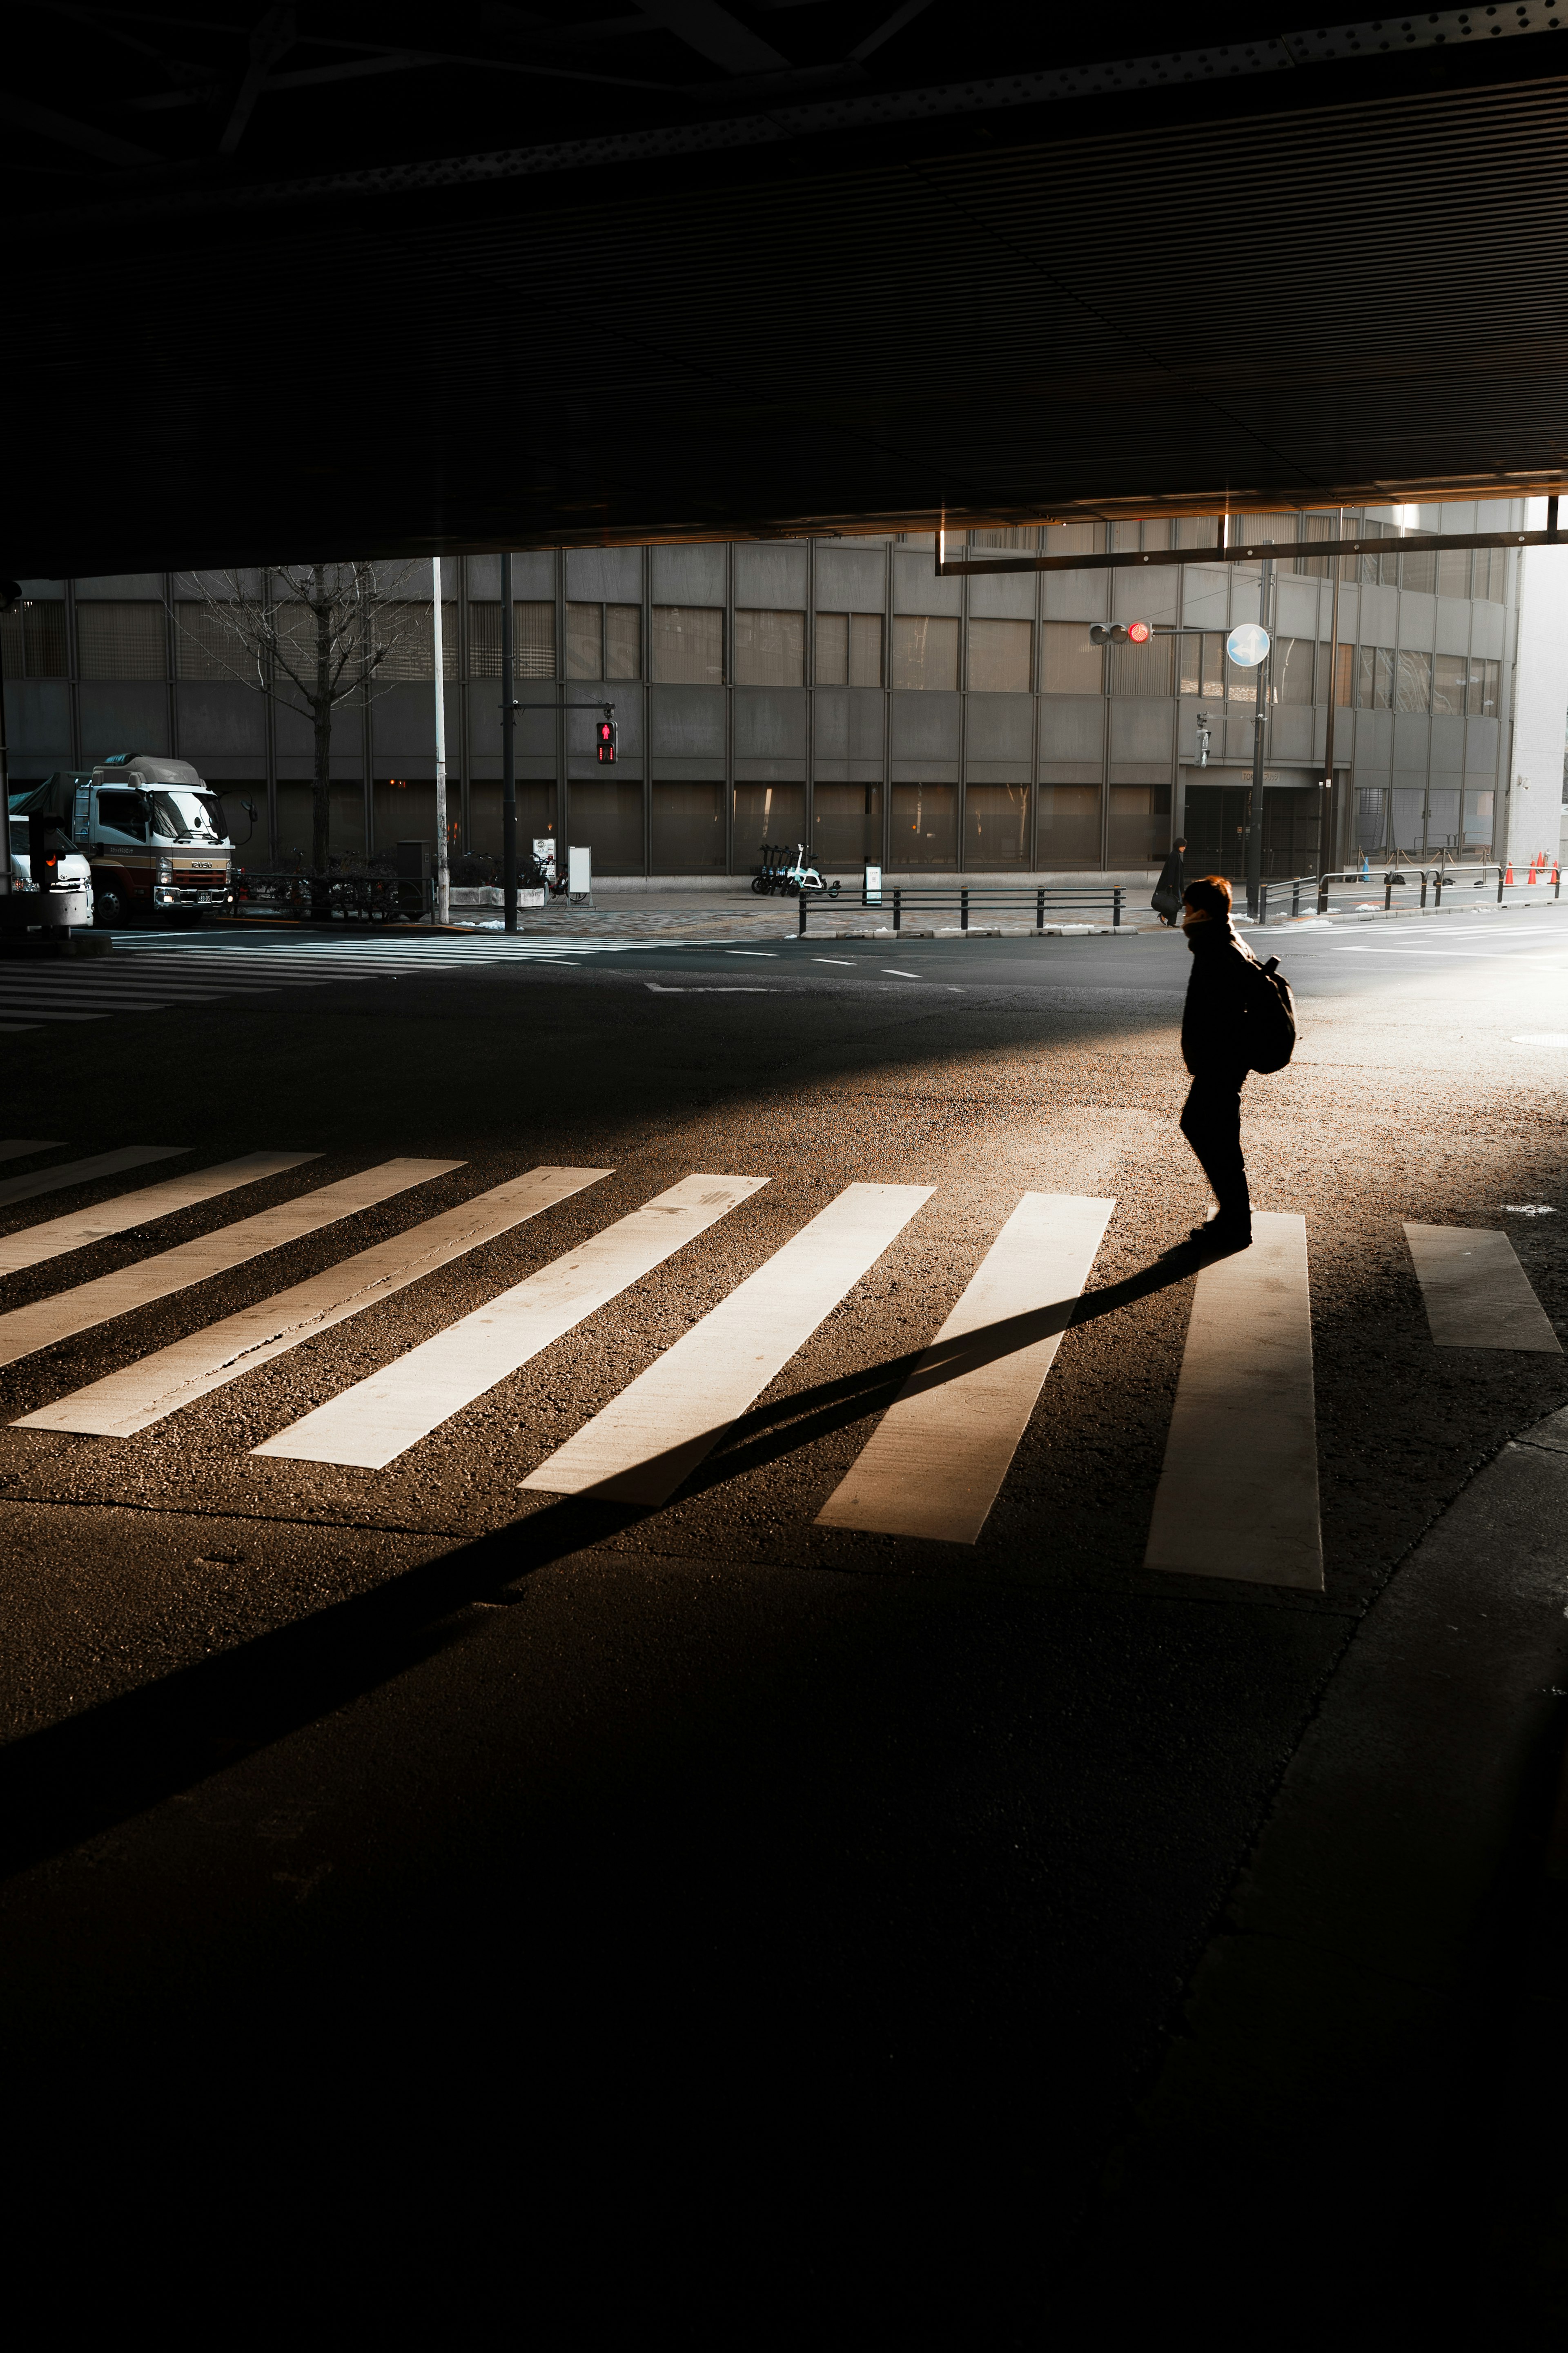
(414, 863)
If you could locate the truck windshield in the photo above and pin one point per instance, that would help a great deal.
(179, 816)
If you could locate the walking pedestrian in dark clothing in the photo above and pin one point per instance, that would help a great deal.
(1167, 899)
(1213, 1051)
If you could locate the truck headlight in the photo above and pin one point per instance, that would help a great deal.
(165, 871)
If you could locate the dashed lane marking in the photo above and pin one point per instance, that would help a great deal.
(1238, 1493)
(26, 1329)
(377, 1420)
(656, 1431)
(934, 1465)
(85, 1172)
(1477, 1294)
(901, 976)
(158, 1385)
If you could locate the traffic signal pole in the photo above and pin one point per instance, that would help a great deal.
(1255, 815)
(507, 756)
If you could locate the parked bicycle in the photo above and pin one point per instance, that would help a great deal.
(780, 881)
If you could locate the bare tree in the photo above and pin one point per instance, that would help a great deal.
(312, 636)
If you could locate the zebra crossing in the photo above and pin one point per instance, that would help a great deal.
(158, 972)
(1238, 1495)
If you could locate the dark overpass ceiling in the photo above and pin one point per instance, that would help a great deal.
(376, 280)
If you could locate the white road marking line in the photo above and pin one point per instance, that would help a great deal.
(814, 959)
(1541, 1038)
(1238, 1493)
(708, 988)
(159, 1385)
(14, 1028)
(35, 1244)
(49, 1012)
(16, 1147)
(770, 954)
(26, 1329)
(894, 970)
(1477, 1294)
(377, 1420)
(643, 1445)
(85, 1172)
(934, 1464)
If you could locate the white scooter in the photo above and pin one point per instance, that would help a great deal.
(804, 876)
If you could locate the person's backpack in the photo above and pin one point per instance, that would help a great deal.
(1271, 1030)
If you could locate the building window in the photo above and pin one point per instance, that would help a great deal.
(1413, 684)
(1201, 664)
(771, 813)
(925, 821)
(1477, 822)
(1375, 678)
(33, 639)
(1418, 569)
(1454, 571)
(604, 642)
(1482, 689)
(686, 645)
(533, 628)
(1345, 675)
(1069, 663)
(608, 819)
(405, 628)
(1026, 535)
(849, 825)
(1290, 663)
(122, 642)
(1069, 827)
(1142, 670)
(925, 651)
(995, 827)
(1140, 825)
(850, 649)
(999, 655)
(1448, 675)
(687, 829)
(770, 649)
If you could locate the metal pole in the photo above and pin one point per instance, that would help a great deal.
(507, 756)
(1255, 825)
(443, 865)
(1328, 844)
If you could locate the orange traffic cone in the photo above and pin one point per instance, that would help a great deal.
(1507, 874)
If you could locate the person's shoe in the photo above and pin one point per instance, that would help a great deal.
(1222, 1235)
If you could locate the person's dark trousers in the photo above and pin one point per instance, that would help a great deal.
(1211, 1121)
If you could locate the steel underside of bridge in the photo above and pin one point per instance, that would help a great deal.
(820, 294)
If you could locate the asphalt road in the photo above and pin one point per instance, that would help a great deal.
(811, 1902)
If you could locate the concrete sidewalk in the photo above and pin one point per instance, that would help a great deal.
(1371, 2016)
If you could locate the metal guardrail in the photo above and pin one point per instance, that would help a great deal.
(977, 897)
(1410, 884)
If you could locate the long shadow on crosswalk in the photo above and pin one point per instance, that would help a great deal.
(78, 1779)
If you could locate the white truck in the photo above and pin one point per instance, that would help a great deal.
(60, 901)
(153, 831)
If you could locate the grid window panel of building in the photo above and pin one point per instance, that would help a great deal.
(1000, 654)
(209, 643)
(849, 824)
(1200, 663)
(1143, 670)
(533, 638)
(1068, 826)
(1070, 662)
(1418, 570)
(1375, 678)
(1413, 686)
(1483, 689)
(924, 828)
(116, 640)
(1450, 672)
(770, 648)
(604, 642)
(1290, 662)
(925, 651)
(686, 645)
(33, 639)
(1012, 534)
(407, 630)
(850, 649)
(995, 827)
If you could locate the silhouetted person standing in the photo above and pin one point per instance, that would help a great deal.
(1213, 1051)
(1167, 899)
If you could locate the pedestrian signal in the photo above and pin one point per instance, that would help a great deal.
(607, 739)
(44, 851)
(1121, 633)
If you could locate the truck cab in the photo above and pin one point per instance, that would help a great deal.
(154, 833)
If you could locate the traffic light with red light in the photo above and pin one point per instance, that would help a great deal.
(44, 845)
(606, 740)
(1121, 633)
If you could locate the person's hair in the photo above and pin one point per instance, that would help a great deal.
(1211, 894)
(1180, 842)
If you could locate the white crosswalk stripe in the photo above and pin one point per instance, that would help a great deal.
(379, 1419)
(17, 1148)
(935, 1464)
(1477, 1294)
(1238, 1493)
(66, 1173)
(159, 1385)
(641, 1447)
(26, 1329)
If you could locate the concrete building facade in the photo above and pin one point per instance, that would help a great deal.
(835, 691)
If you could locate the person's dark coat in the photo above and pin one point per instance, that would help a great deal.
(1172, 882)
(1215, 1010)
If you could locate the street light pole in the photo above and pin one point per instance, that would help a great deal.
(507, 756)
(1329, 827)
(1255, 824)
(443, 867)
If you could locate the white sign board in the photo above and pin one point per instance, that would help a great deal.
(580, 872)
(873, 886)
(544, 851)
